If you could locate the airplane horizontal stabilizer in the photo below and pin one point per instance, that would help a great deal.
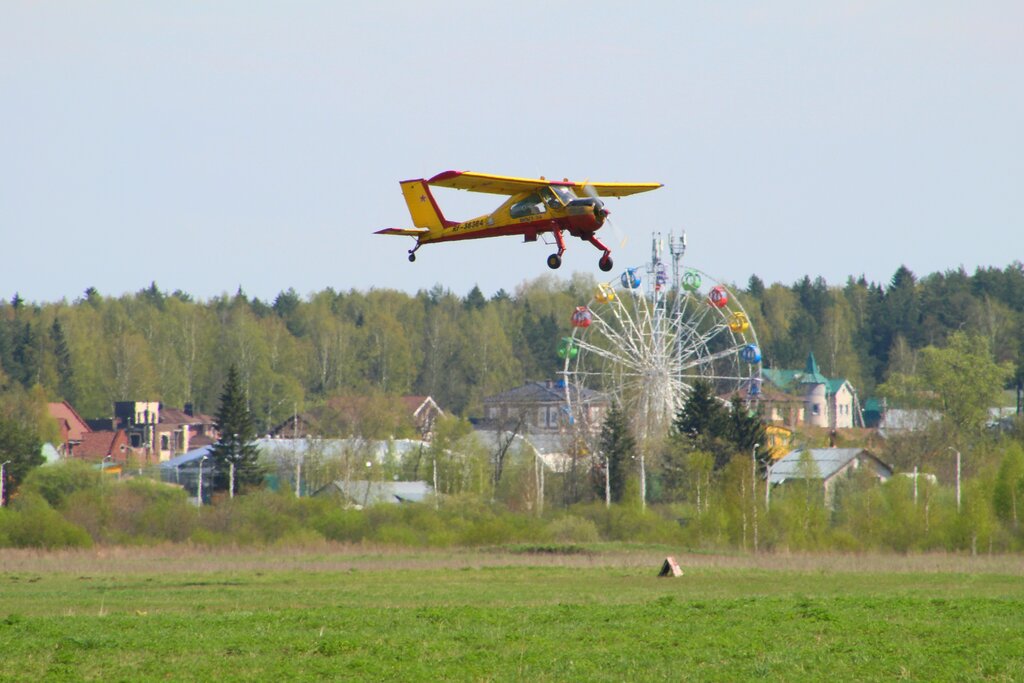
(409, 232)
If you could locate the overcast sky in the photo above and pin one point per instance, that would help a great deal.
(207, 146)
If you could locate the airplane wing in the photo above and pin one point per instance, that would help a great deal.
(491, 184)
(509, 185)
(615, 189)
(411, 232)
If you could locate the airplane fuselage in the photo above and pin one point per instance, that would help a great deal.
(534, 206)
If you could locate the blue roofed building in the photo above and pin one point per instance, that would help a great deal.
(184, 470)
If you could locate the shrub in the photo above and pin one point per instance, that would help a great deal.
(338, 524)
(87, 509)
(167, 520)
(204, 537)
(397, 534)
(56, 482)
(487, 532)
(631, 524)
(32, 523)
(573, 529)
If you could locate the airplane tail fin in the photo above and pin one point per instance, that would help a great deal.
(422, 206)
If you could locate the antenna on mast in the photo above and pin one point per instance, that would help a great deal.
(677, 247)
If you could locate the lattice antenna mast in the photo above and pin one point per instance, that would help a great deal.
(677, 247)
(657, 249)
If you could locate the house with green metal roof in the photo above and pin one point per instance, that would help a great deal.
(826, 402)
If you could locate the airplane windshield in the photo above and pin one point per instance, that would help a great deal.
(564, 193)
(550, 199)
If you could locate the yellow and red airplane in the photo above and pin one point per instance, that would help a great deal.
(534, 206)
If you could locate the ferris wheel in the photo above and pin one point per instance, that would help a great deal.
(645, 337)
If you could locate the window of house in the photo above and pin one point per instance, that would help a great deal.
(165, 443)
(816, 409)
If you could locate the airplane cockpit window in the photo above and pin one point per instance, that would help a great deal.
(529, 206)
(564, 193)
(551, 198)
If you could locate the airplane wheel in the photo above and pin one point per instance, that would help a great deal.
(605, 263)
(554, 261)
(412, 257)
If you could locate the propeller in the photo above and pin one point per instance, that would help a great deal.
(620, 237)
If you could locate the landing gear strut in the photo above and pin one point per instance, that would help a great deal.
(555, 260)
(412, 252)
(605, 263)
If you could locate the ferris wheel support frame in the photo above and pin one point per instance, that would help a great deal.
(648, 346)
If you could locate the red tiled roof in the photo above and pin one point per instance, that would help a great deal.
(178, 416)
(414, 403)
(98, 445)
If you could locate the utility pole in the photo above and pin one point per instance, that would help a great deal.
(2, 466)
(298, 458)
(231, 466)
(607, 482)
(199, 486)
(643, 482)
(957, 478)
(753, 489)
(915, 485)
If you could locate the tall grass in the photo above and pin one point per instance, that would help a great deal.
(72, 507)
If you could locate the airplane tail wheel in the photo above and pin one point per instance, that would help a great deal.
(605, 263)
(412, 257)
(554, 261)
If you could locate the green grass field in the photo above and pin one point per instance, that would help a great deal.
(358, 614)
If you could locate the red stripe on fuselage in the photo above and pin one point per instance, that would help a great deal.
(533, 228)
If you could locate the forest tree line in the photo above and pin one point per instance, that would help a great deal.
(906, 338)
(295, 352)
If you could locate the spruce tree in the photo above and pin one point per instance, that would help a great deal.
(237, 439)
(706, 424)
(617, 447)
(65, 371)
(475, 299)
(746, 429)
(703, 416)
(21, 449)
